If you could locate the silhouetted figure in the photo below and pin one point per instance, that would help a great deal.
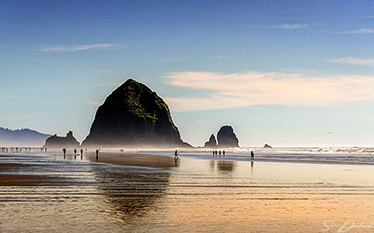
(64, 150)
(45, 149)
(252, 155)
(223, 153)
(75, 151)
(97, 154)
(81, 152)
(219, 153)
(213, 153)
(176, 154)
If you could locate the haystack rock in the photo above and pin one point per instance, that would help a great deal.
(133, 116)
(212, 143)
(227, 138)
(62, 142)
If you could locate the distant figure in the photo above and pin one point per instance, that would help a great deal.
(252, 155)
(223, 153)
(219, 153)
(176, 154)
(81, 152)
(45, 149)
(97, 154)
(75, 151)
(64, 150)
(213, 153)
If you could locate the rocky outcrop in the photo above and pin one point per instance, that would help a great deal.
(212, 143)
(62, 142)
(267, 146)
(227, 138)
(133, 116)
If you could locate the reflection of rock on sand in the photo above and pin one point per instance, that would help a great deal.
(131, 191)
(226, 166)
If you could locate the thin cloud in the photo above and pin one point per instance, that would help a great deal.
(18, 98)
(286, 26)
(267, 88)
(98, 71)
(109, 84)
(95, 103)
(359, 31)
(74, 48)
(352, 61)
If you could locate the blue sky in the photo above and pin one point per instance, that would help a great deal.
(286, 73)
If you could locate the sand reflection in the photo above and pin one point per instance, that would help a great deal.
(226, 166)
(133, 188)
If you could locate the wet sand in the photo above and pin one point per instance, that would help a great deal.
(146, 193)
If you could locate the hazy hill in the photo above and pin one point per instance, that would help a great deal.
(22, 137)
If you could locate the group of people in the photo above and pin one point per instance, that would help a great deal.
(215, 153)
(81, 153)
(22, 149)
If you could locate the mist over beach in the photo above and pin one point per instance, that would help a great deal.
(186, 116)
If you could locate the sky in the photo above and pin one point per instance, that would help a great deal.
(285, 73)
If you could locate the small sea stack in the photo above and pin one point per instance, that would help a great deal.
(227, 138)
(212, 143)
(62, 142)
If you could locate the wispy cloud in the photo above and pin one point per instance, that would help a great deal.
(74, 48)
(352, 61)
(98, 70)
(109, 84)
(267, 88)
(359, 31)
(26, 99)
(286, 26)
(96, 103)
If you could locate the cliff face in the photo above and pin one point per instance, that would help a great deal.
(132, 116)
(62, 142)
(227, 138)
(212, 143)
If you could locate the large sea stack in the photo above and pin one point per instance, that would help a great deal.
(227, 138)
(62, 142)
(133, 116)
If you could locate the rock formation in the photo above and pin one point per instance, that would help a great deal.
(227, 138)
(133, 116)
(212, 143)
(62, 142)
(267, 146)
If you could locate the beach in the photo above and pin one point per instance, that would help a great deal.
(153, 192)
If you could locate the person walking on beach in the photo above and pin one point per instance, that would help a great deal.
(176, 154)
(223, 153)
(219, 153)
(252, 155)
(97, 154)
(81, 152)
